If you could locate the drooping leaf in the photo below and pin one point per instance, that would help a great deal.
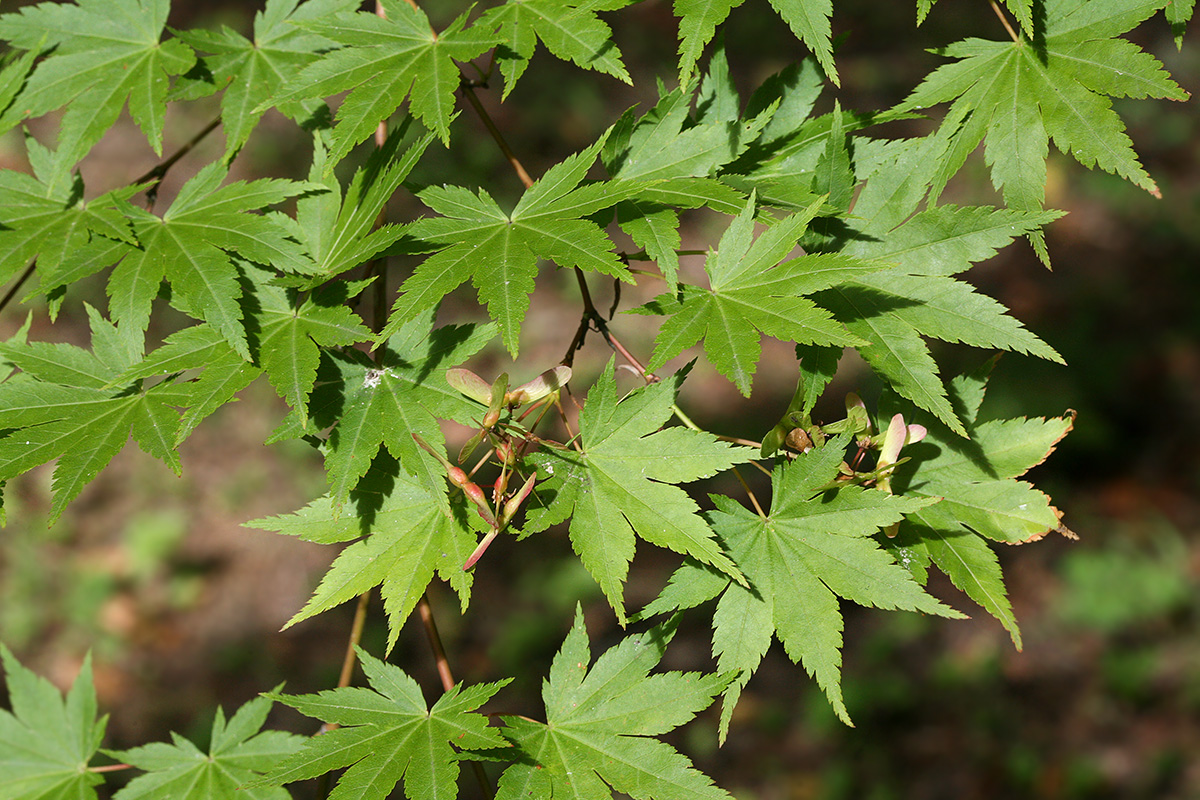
(238, 752)
(1020, 95)
(808, 19)
(599, 720)
(619, 485)
(569, 29)
(389, 734)
(383, 61)
(47, 740)
(499, 252)
(339, 232)
(981, 496)
(754, 290)
(404, 535)
(104, 53)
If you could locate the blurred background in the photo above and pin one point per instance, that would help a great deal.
(180, 605)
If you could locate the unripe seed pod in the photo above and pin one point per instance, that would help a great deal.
(458, 477)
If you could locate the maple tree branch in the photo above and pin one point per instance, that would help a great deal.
(16, 287)
(1004, 21)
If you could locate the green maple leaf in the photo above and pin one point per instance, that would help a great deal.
(404, 535)
(46, 741)
(753, 290)
(1020, 95)
(812, 547)
(893, 309)
(599, 721)
(808, 19)
(339, 232)
(222, 373)
(104, 53)
(569, 29)
(290, 331)
(981, 498)
(389, 734)
(383, 403)
(681, 162)
(383, 61)
(499, 252)
(190, 246)
(251, 71)
(619, 485)
(45, 216)
(238, 752)
(64, 404)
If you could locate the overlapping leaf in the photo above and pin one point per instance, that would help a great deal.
(383, 61)
(976, 480)
(1020, 95)
(47, 740)
(404, 535)
(105, 52)
(618, 486)
(45, 216)
(753, 290)
(596, 739)
(812, 547)
(499, 252)
(389, 734)
(64, 404)
(190, 246)
(251, 71)
(383, 403)
(808, 19)
(238, 752)
(569, 29)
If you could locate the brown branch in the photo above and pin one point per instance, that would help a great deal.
(468, 91)
(159, 171)
(16, 287)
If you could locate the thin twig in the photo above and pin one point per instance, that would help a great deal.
(1004, 21)
(750, 494)
(469, 93)
(16, 287)
(159, 171)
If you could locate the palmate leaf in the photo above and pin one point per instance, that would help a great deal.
(383, 61)
(45, 216)
(404, 536)
(1019, 95)
(389, 734)
(238, 752)
(251, 71)
(65, 404)
(893, 309)
(339, 232)
(813, 547)
(980, 496)
(47, 741)
(751, 292)
(569, 29)
(499, 252)
(190, 246)
(599, 720)
(105, 52)
(618, 486)
(682, 163)
(808, 19)
(383, 403)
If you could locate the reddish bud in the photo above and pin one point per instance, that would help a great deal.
(458, 477)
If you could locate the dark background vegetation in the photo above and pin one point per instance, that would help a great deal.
(180, 605)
